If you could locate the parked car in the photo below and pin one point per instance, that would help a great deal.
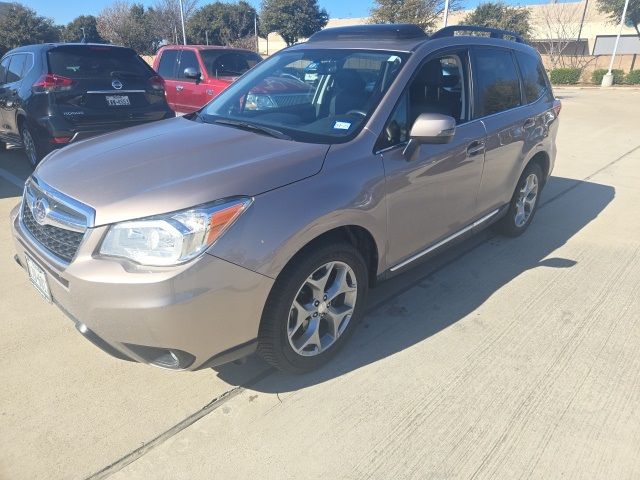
(195, 241)
(55, 94)
(195, 74)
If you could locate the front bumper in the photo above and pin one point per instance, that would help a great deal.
(200, 314)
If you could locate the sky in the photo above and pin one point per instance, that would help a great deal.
(66, 10)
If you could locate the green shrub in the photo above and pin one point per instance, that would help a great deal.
(565, 76)
(618, 76)
(633, 77)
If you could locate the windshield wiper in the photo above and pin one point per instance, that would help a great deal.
(253, 127)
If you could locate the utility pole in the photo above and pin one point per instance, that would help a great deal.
(255, 29)
(584, 13)
(206, 35)
(446, 13)
(607, 80)
(184, 35)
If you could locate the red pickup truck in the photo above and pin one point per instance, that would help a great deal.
(194, 74)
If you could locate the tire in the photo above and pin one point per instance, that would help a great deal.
(522, 208)
(30, 146)
(281, 329)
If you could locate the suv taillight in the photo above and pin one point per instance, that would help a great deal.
(157, 82)
(557, 106)
(51, 82)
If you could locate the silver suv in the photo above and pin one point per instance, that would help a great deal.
(262, 220)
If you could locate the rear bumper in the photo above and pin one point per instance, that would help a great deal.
(188, 317)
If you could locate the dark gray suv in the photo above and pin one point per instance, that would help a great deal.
(261, 221)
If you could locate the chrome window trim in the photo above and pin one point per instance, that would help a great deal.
(444, 241)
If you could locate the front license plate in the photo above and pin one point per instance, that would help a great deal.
(38, 278)
(118, 100)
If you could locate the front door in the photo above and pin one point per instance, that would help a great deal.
(432, 195)
(191, 94)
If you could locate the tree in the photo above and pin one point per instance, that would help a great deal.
(130, 25)
(501, 15)
(165, 18)
(613, 9)
(424, 13)
(559, 25)
(73, 31)
(293, 19)
(20, 25)
(225, 23)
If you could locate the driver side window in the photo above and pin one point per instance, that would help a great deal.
(439, 86)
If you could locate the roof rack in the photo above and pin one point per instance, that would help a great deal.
(395, 31)
(494, 32)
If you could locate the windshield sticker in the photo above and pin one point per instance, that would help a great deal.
(341, 126)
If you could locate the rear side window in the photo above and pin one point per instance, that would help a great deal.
(188, 59)
(168, 64)
(4, 66)
(16, 66)
(231, 64)
(498, 85)
(534, 81)
(77, 61)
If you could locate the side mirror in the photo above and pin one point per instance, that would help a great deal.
(192, 73)
(430, 128)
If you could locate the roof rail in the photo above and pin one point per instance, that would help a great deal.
(494, 32)
(380, 31)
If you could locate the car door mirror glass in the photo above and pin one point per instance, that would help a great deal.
(192, 73)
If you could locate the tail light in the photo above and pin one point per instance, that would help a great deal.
(51, 82)
(557, 106)
(157, 82)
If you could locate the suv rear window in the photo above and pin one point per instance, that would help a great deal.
(228, 64)
(79, 61)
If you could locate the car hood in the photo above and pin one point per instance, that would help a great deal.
(172, 165)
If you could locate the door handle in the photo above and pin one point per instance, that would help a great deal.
(530, 122)
(475, 148)
(179, 88)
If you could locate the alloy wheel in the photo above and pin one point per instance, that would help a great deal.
(526, 200)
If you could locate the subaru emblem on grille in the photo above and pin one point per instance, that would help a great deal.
(40, 210)
(117, 84)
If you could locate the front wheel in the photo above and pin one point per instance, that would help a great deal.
(313, 308)
(524, 203)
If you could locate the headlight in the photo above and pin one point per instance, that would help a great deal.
(175, 237)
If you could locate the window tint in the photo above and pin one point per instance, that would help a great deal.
(188, 60)
(4, 66)
(28, 65)
(15, 68)
(167, 66)
(396, 131)
(497, 80)
(78, 61)
(231, 64)
(534, 81)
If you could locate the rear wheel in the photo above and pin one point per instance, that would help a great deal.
(30, 146)
(524, 203)
(313, 308)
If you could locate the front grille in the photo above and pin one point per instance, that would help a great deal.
(62, 243)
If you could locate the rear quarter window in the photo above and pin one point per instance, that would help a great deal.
(96, 62)
(534, 78)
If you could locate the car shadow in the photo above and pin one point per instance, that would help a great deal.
(481, 265)
(14, 171)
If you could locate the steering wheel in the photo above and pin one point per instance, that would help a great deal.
(356, 112)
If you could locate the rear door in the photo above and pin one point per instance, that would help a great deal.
(498, 104)
(10, 93)
(223, 68)
(104, 86)
(4, 67)
(167, 68)
(191, 94)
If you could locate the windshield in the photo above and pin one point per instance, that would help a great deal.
(228, 64)
(315, 96)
